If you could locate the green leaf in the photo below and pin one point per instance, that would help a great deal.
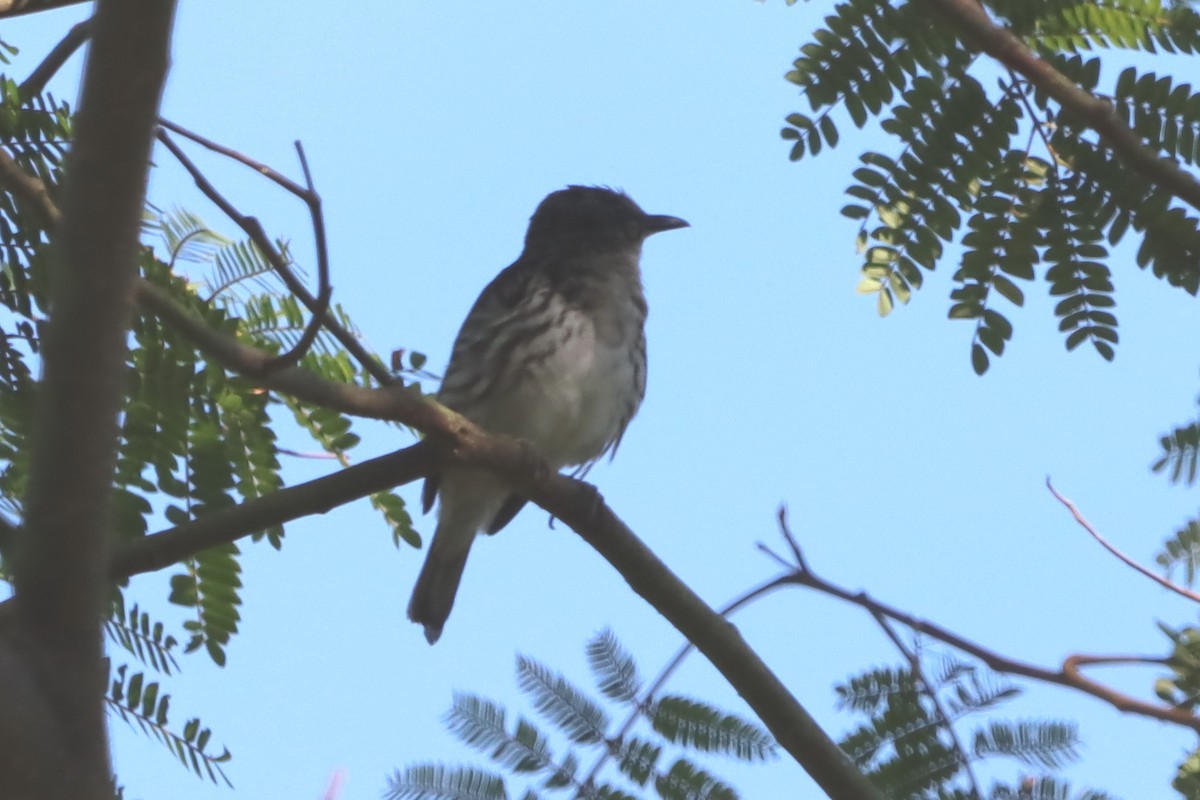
(691, 723)
(615, 672)
(1051, 745)
(979, 359)
(561, 703)
(436, 782)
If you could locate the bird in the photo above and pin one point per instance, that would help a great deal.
(552, 352)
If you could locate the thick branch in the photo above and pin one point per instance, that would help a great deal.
(574, 502)
(317, 496)
(972, 23)
(584, 511)
(60, 568)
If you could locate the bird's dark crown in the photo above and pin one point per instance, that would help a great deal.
(591, 217)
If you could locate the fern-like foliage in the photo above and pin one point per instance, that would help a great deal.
(999, 168)
(193, 439)
(1178, 459)
(613, 668)
(562, 703)
(35, 133)
(627, 763)
(911, 743)
(1050, 745)
(1180, 454)
(695, 724)
(445, 783)
(140, 703)
(146, 640)
(1182, 551)
(1045, 788)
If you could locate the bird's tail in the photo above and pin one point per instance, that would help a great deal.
(433, 595)
(470, 500)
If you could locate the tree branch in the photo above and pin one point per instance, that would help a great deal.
(1087, 526)
(54, 60)
(942, 718)
(320, 314)
(317, 306)
(667, 671)
(162, 549)
(1068, 676)
(17, 8)
(578, 505)
(971, 21)
(60, 566)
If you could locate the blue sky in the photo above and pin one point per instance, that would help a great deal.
(433, 130)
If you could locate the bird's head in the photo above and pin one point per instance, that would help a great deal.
(593, 218)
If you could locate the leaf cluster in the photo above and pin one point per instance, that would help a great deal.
(642, 762)
(193, 438)
(912, 745)
(1179, 455)
(1007, 174)
(140, 701)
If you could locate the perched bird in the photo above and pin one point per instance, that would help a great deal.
(554, 352)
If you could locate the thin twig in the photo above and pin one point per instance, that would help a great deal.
(1068, 676)
(914, 663)
(267, 172)
(54, 60)
(320, 314)
(1161, 581)
(253, 228)
(786, 532)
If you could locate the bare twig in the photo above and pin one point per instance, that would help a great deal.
(253, 229)
(54, 60)
(1160, 580)
(267, 172)
(943, 719)
(793, 545)
(324, 288)
(1068, 676)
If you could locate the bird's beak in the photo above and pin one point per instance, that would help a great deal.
(657, 223)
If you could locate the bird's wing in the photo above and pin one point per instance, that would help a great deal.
(483, 343)
(488, 334)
